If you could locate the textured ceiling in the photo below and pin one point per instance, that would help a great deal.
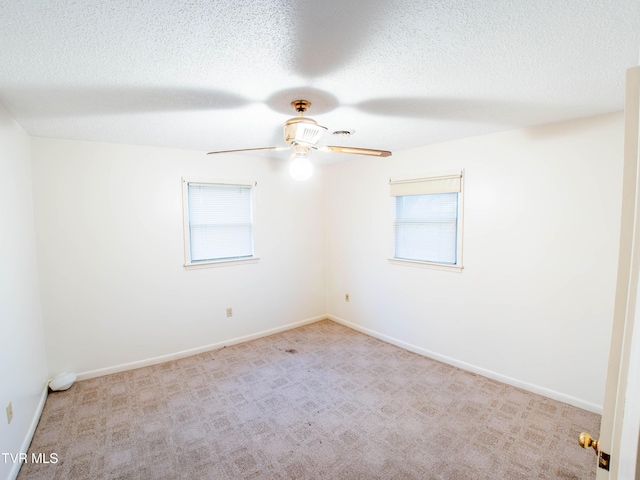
(217, 75)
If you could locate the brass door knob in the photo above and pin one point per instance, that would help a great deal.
(586, 441)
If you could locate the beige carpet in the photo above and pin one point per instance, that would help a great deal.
(318, 402)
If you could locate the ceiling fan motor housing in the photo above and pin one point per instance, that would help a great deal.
(302, 131)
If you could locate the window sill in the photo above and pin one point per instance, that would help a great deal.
(419, 264)
(220, 263)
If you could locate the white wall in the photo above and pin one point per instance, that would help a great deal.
(23, 367)
(110, 241)
(532, 307)
(534, 303)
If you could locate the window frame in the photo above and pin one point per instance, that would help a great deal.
(225, 262)
(458, 266)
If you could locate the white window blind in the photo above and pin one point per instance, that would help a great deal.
(427, 219)
(428, 185)
(426, 227)
(220, 222)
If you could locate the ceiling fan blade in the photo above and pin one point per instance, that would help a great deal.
(250, 150)
(356, 151)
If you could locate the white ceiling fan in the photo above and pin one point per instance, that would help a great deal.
(302, 134)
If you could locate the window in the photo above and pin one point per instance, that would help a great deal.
(428, 227)
(218, 223)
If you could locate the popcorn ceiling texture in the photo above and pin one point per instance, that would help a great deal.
(220, 75)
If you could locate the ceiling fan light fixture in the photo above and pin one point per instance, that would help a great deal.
(300, 167)
(302, 134)
(302, 131)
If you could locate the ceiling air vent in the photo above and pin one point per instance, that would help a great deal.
(344, 133)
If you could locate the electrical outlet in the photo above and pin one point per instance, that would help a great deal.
(346, 297)
(9, 413)
(229, 312)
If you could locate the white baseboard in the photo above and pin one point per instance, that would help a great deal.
(561, 397)
(13, 474)
(194, 351)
